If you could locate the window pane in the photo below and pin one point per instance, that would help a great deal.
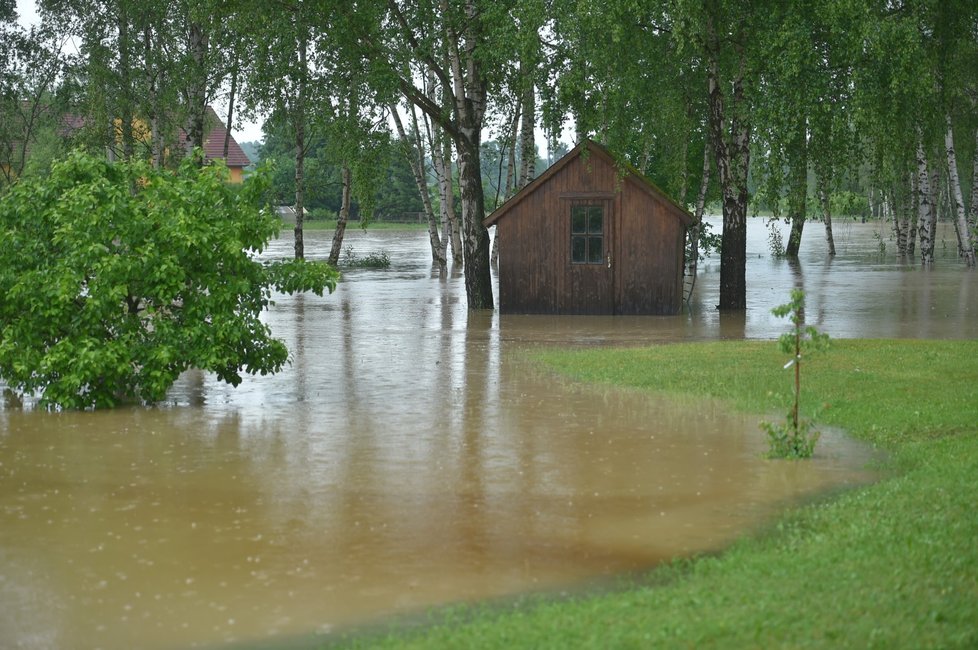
(578, 250)
(579, 219)
(595, 225)
(594, 252)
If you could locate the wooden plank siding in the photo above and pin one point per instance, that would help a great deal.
(642, 242)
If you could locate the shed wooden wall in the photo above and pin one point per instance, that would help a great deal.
(646, 240)
(651, 248)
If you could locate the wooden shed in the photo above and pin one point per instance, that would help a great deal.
(590, 236)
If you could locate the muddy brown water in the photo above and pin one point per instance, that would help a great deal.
(412, 456)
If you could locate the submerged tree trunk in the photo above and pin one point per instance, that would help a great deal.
(823, 199)
(965, 243)
(798, 190)
(914, 210)
(925, 220)
(416, 158)
(300, 144)
(475, 261)
(901, 225)
(694, 231)
(731, 140)
(442, 158)
(973, 217)
(342, 218)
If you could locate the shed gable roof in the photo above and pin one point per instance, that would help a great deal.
(632, 174)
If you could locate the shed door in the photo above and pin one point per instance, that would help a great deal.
(592, 289)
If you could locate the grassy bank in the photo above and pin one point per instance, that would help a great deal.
(892, 565)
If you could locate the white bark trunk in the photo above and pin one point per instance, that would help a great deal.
(823, 199)
(528, 149)
(914, 210)
(730, 136)
(299, 116)
(416, 158)
(442, 158)
(973, 217)
(926, 212)
(197, 91)
(343, 217)
(965, 244)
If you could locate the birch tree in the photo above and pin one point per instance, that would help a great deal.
(965, 238)
(462, 43)
(281, 80)
(722, 33)
(31, 61)
(414, 150)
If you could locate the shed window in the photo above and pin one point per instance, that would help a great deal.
(587, 234)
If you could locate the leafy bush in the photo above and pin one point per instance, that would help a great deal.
(118, 277)
(379, 260)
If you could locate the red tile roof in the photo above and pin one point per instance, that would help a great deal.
(213, 138)
(214, 142)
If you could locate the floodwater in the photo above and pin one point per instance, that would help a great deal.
(412, 456)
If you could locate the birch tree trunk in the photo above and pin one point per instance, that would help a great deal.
(234, 88)
(901, 225)
(125, 75)
(416, 158)
(512, 175)
(823, 199)
(152, 72)
(465, 85)
(300, 143)
(973, 217)
(197, 90)
(694, 232)
(965, 244)
(528, 147)
(731, 140)
(342, 218)
(798, 189)
(914, 210)
(925, 215)
(442, 158)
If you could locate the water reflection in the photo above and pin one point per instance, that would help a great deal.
(408, 456)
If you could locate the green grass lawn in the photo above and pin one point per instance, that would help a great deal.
(890, 565)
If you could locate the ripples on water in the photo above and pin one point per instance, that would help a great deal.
(411, 456)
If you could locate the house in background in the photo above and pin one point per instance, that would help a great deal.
(214, 134)
(590, 236)
(14, 156)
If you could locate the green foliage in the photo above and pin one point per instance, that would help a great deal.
(709, 242)
(117, 278)
(379, 260)
(791, 439)
(795, 438)
(775, 240)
